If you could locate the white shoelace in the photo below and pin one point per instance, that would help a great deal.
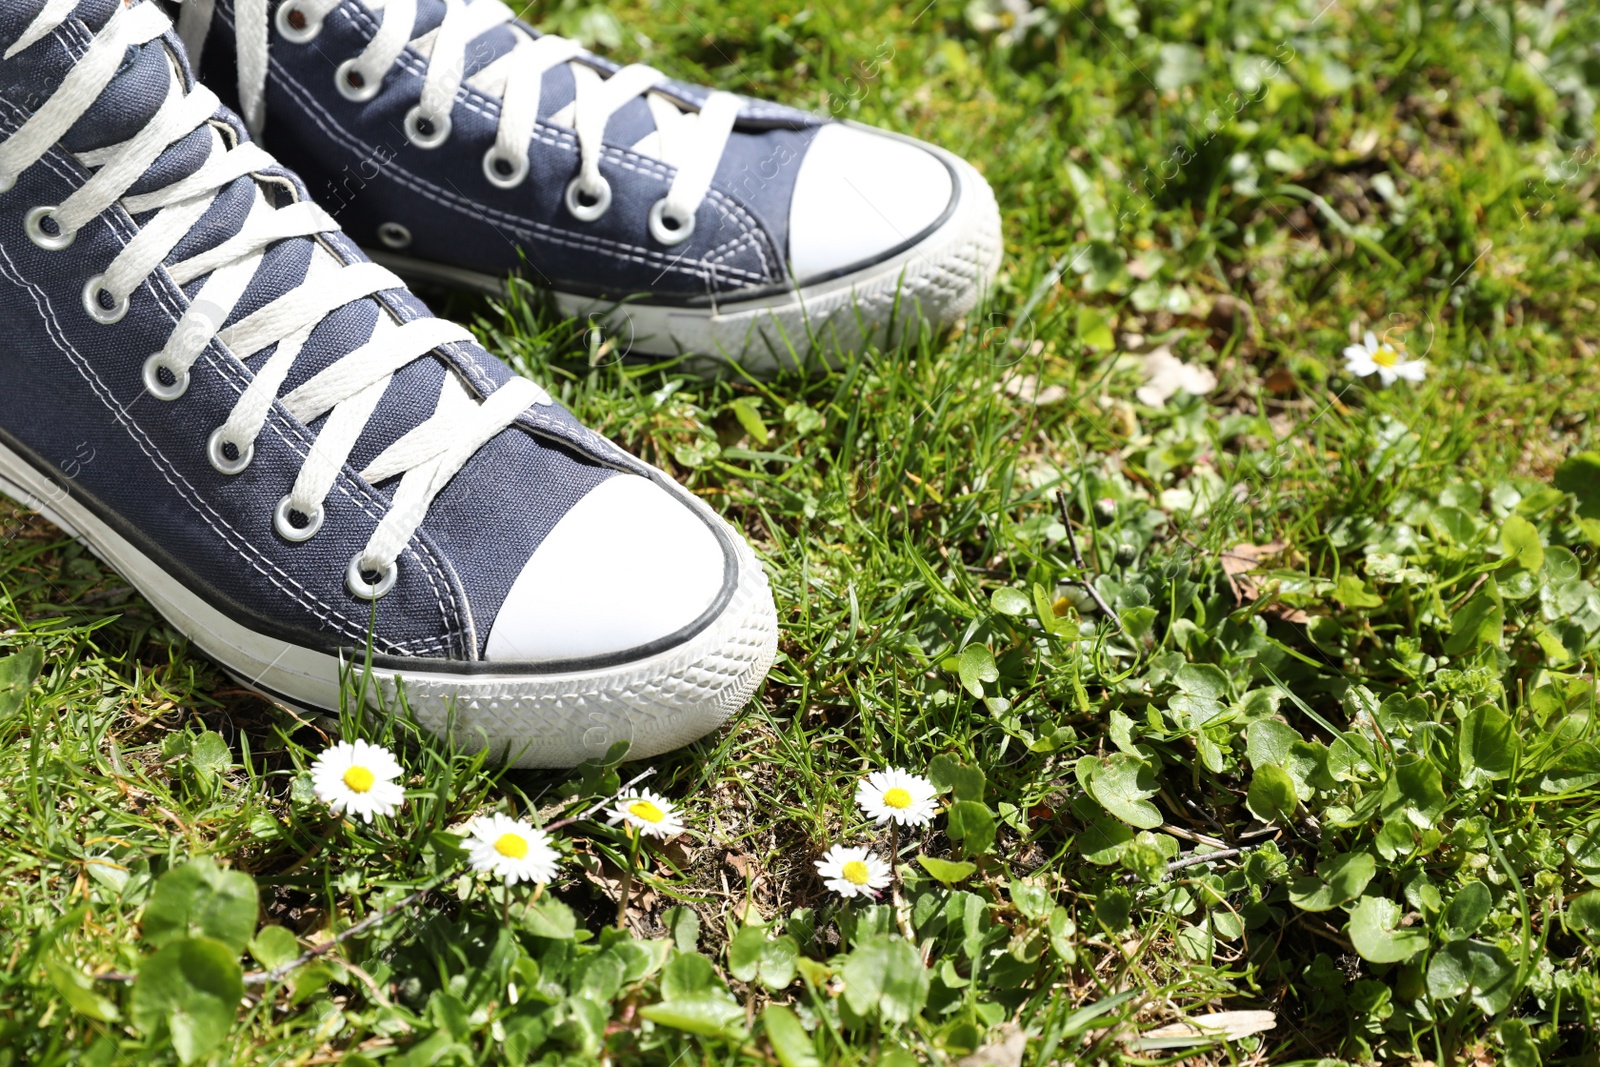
(692, 142)
(348, 391)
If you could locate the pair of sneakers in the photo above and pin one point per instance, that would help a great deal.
(260, 427)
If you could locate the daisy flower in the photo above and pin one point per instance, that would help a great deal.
(905, 798)
(1013, 18)
(358, 779)
(1384, 359)
(511, 850)
(852, 872)
(649, 813)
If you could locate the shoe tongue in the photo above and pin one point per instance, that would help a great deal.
(127, 105)
(481, 50)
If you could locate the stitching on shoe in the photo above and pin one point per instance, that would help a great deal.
(120, 226)
(540, 231)
(485, 106)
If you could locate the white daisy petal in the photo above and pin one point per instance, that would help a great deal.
(648, 812)
(358, 779)
(898, 796)
(853, 872)
(1384, 358)
(511, 850)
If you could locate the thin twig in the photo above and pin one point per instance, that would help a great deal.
(629, 784)
(258, 978)
(1194, 859)
(1077, 556)
(1191, 835)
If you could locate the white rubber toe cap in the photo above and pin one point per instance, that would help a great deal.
(629, 565)
(858, 195)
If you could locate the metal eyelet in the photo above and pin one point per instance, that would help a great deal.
(33, 225)
(516, 171)
(288, 530)
(394, 235)
(355, 579)
(91, 302)
(305, 33)
(219, 459)
(360, 91)
(588, 212)
(441, 128)
(669, 229)
(158, 388)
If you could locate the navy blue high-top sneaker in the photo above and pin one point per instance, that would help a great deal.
(454, 141)
(293, 461)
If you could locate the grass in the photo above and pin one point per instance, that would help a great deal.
(1353, 655)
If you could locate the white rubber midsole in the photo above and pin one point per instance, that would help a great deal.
(937, 280)
(534, 720)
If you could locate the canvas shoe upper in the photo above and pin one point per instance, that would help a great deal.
(458, 143)
(293, 460)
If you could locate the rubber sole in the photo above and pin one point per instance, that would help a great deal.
(657, 703)
(937, 280)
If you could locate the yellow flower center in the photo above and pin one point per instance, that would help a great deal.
(643, 809)
(512, 846)
(1386, 356)
(897, 798)
(359, 779)
(855, 872)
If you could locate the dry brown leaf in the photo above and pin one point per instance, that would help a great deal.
(1237, 564)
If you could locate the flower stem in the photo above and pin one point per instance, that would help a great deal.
(902, 913)
(627, 879)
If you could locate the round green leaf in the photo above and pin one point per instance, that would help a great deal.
(1584, 912)
(1337, 882)
(1122, 784)
(976, 665)
(1272, 797)
(1487, 746)
(550, 918)
(689, 975)
(1009, 601)
(192, 989)
(1467, 910)
(885, 974)
(1102, 840)
(200, 899)
(1474, 968)
(1202, 680)
(1373, 931)
(1520, 539)
(1580, 476)
(1416, 790)
(754, 956)
(274, 946)
(1269, 741)
(944, 870)
(971, 823)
